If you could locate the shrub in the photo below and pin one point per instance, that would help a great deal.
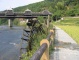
(57, 15)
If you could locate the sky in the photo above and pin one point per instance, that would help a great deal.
(8, 4)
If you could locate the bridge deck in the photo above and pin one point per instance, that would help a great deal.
(65, 47)
(18, 16)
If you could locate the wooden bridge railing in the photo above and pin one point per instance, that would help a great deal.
(43, 52)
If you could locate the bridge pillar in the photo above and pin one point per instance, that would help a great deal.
(10, 23)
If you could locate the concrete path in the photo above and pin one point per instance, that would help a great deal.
(65, 47)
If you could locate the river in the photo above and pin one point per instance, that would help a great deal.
(10, 39)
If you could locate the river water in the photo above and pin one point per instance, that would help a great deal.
(10, 39)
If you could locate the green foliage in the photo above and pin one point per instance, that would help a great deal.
(70, 12)
(3, 21)
(35, 7)
(41, 19)
(60, 5)
(57, 15)
(16, 22)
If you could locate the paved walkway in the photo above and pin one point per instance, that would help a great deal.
(65, 47)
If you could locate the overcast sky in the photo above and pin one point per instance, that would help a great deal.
(7, 4)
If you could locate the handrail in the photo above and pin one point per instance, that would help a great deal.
(39, 52)
(43, 52)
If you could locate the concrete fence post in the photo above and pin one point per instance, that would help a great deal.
(45, 55)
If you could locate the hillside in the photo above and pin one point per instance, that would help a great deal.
(57, 7)
(36, 7)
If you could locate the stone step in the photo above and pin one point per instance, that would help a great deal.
(27, 30)
(25, 39)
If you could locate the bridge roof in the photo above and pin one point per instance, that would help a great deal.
(27, 14)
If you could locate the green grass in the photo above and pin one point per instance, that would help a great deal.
(71, 26)
(68, 21)
(73, 31)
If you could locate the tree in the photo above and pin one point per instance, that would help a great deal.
(57, 15)
(60, 5)
(71, 12)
